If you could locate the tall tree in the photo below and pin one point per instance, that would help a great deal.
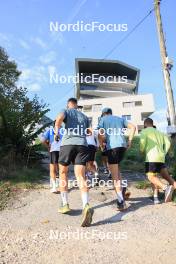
(18, 114)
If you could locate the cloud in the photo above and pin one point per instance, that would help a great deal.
(52, 69)
(48, 57)
(25, 75)
(34, 87)
(76, 10)
(57, 37)
(39, 42)
(5, 40)
(24, 44)
(33, 78)
(35, 73)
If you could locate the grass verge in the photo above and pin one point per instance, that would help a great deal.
(20, 179)
(143, 185)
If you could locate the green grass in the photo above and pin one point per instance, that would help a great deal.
(143, 185)
(20, 179)
(174, 197)
(133, 159)
(5, 191)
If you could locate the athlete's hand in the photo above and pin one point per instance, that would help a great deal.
(56, 137)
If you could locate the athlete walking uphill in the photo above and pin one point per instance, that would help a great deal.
(113, 128)
(53, 148)
(74, 150)
(155, 146)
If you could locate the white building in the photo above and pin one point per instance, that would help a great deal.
(120, 94)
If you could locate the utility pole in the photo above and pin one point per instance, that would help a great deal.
(166, 67)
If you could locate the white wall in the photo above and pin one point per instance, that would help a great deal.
(116, 104)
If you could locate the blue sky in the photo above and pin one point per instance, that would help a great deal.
(24, 33)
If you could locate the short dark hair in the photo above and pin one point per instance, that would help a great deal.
(106, 111)
(148, 121)
(109, 111)
(72, 100)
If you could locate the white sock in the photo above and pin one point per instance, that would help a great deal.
(53, 182)
(96, 174)
(119, 196)
(165, 187)
(57, 182)
(85, 198)
(155, 194)
(64, 197)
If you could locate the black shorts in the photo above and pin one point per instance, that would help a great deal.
(75, 154)
(116, 155)
(54, 157)
(104, 153)
(154, 167)
(92, 150)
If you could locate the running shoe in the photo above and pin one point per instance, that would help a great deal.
(54, 190)
(109, 175)
(168, 193)
(121, 206)
(105, 171)
(64, 209)
(126, 194)
(87, 214)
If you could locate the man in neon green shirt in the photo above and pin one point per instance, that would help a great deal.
(155, 145)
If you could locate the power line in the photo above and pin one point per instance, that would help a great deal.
(128, 34)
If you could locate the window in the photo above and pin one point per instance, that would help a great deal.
(87, 108)
(126, 117)
(138, 103)
(128, 104)
(132, 104)
(96, 107)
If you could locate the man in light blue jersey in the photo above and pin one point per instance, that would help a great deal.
(112, 130)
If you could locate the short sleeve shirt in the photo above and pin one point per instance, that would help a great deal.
(76, 124)
(114, 128)
(49, 136)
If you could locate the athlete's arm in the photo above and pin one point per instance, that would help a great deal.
(47, 144)
(45, 140)
(101, 134)
(132, 129)
(59, 120)
(101, 138)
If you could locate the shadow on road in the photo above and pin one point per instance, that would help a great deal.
(135, 205)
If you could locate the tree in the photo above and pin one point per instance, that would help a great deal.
(18, 114)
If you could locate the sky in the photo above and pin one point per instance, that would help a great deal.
(25, 34)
